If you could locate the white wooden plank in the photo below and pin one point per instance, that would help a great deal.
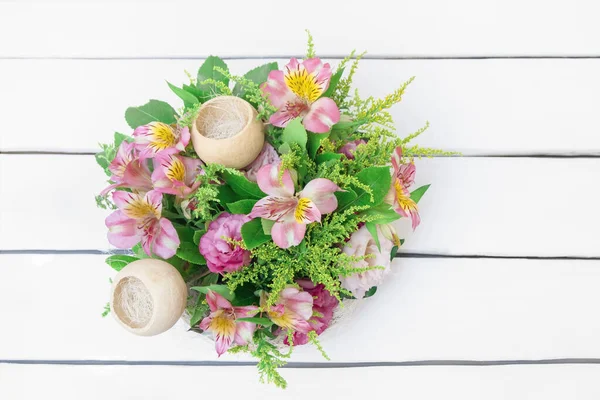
(484, 206)
(424, 28)
(428, 309)
(474, 106)
(555, 382)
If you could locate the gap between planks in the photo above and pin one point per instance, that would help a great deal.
(317, 365)
(323, 56)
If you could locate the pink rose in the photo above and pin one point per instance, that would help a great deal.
(349, 148)
(361, 243)
(323, 303)
(220, 255)
(268, 155)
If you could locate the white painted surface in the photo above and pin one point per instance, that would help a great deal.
(483, 206)
(474, 106)
(451, 308)
(271, 28)
(169, 383)
(429, 309)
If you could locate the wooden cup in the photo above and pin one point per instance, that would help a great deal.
(236, 151)
(162, 283)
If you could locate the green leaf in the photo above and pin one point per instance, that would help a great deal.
(207, 71)
(242, 186)
(197, 236)
(120, 138)
(188, 98)
(393, 253)
(267, 225)
(314, 142)
(333, 82)
(241, 206)
(379, 180)
(185, 234)
(372, 228)
(370, 292)
(418, 193)
(226, 195)
(189, 252)
(223, 290)
(324, 157)
(284, 148)
(154, 110)
(193, 90)
(341, 130)
(294, 132)
(199, 312)
(345, 198)
(257, 75)
(384, 214)
(103, 162)
(256, 320)
(139, 251)
(253, 234)
(118, 262)
(244, 296)
(210, 279)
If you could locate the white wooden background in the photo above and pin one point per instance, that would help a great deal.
(496, 296)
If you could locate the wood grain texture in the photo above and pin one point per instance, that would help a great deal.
(481, 206)
(428, 309)
(413, 29)
(477, 107)
(168, 383)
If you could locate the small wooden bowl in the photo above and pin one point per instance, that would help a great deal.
(236, 151)
(161, 287)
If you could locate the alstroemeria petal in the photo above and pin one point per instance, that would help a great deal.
(322, 72)
(216, 301)
(268, 181)
(243, 333)
(122, 198)
(288, 234)
(321, 192)
(397, 158)
(166, 240)
(275, 208)
(137, 176)
(306, 212)
(287, 113)
(122, 230)
(276, 90)
(323, 114)
(298, 301)
(223, 342)
(193, 168)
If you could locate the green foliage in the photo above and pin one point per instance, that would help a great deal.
(252, 94)
(154, 110)
(242, 186)
(209, 74)
(258, 76)
(220, 289)
(253, 234)
(310, 47)
(241, 206)
(106, 310)
(294, 132)
(418, 193)
(118, 261)
(106, 156)
(189, 252)
(188, 98)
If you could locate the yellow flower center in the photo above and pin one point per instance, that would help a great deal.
(404, 200)
(223, 324)
(140, 208)
(176, 171)
(163, 136)
(303, 84)
(301, 210)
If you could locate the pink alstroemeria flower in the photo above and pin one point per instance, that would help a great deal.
(293, 310)
(296, 92)
(222, 322)
(158, 137)
(292, 213)
(128, 170)
(139, 219)
(176, 175)
(403, 177)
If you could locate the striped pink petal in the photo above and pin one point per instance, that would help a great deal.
(321, 192)
(288, 234)
(166, 240)
(323, 114)
(275, 208)
(122, 230)
(276, 90)
(269, 182)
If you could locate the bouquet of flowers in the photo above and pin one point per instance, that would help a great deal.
(258, 207)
